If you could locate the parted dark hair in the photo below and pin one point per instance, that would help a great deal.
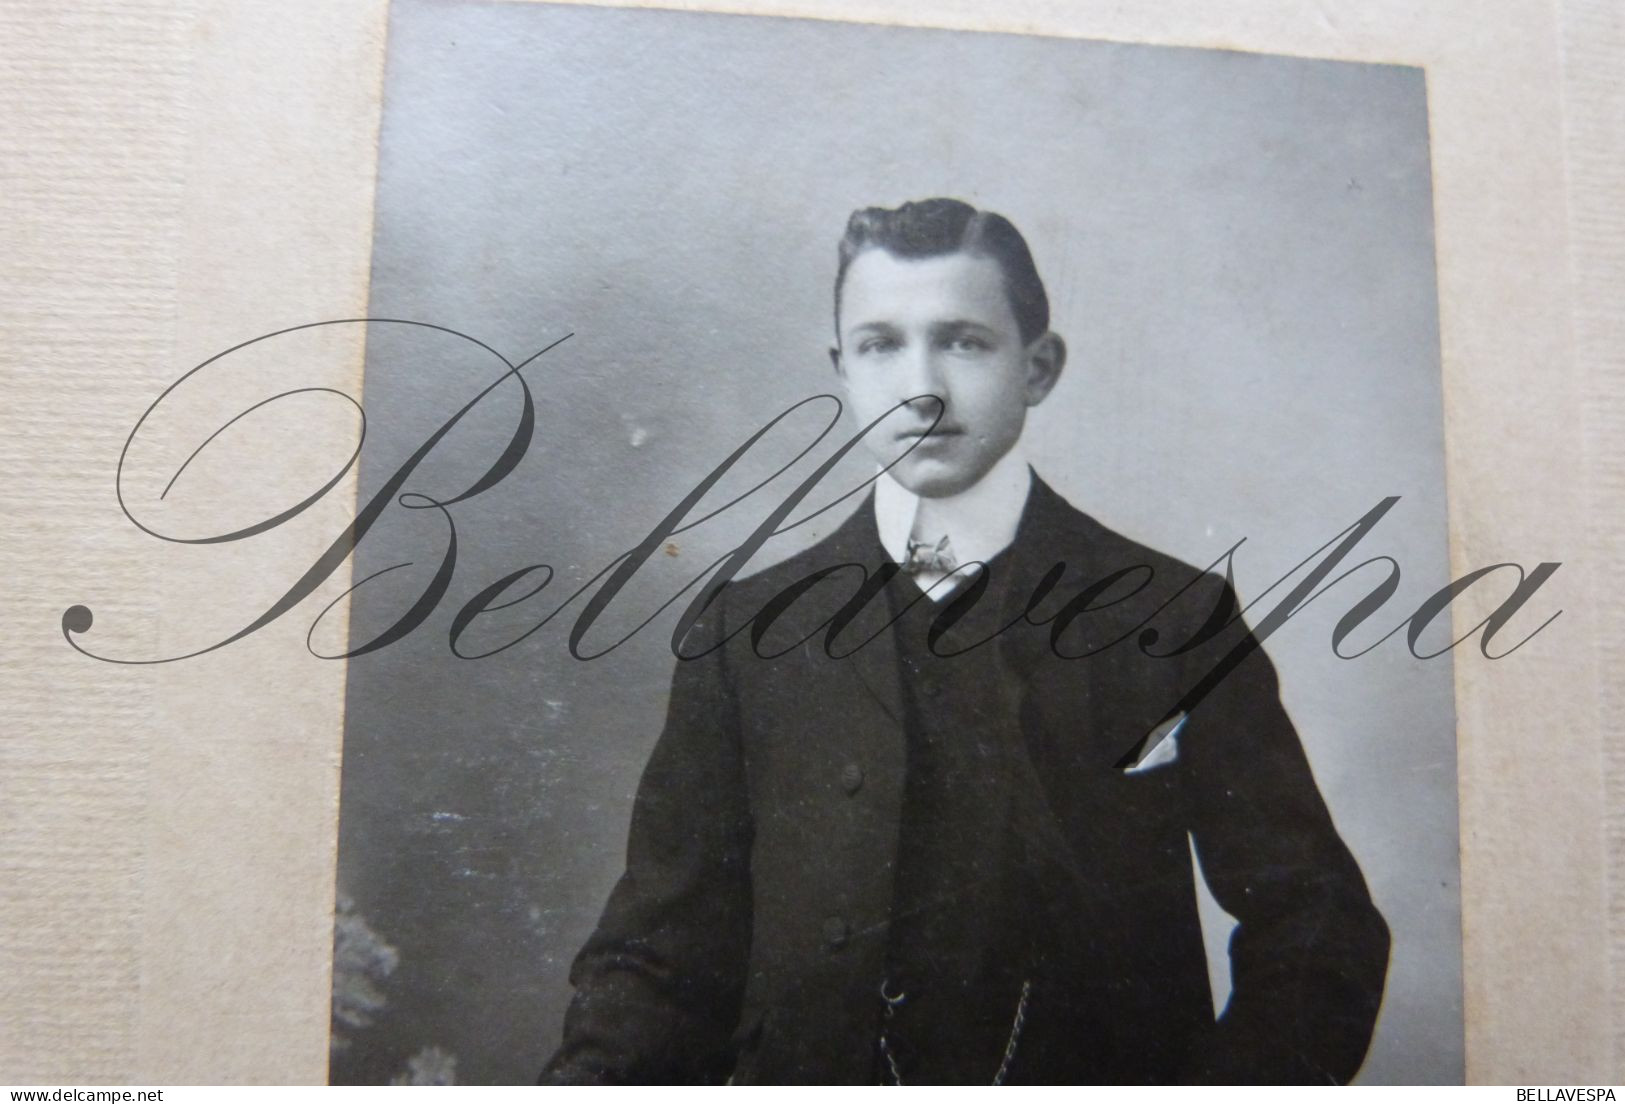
(934, 227)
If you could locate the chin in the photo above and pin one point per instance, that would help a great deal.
(931, 481)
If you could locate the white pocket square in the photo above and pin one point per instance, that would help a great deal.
(1164, 743)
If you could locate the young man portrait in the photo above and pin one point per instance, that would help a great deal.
(924, 808)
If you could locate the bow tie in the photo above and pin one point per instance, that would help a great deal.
(930, 557)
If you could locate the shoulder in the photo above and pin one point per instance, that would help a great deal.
(1104, 569)
(1061, 528)
(854, 542)
(830, 570)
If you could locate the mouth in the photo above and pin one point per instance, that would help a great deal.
(925, 434)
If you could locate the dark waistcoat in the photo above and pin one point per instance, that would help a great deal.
(959, 947)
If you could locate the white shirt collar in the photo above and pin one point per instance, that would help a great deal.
(980, 521)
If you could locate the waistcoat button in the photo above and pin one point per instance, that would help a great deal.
(835, 933)
(852, 778)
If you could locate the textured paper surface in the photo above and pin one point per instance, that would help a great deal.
(179, 178)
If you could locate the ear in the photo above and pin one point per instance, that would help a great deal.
(835, 361)
(1046, 356)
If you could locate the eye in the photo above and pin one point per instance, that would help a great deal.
(871, 346)
(967, 343)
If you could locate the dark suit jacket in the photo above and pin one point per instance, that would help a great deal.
(748, 934)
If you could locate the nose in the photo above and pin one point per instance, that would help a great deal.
(922, 374)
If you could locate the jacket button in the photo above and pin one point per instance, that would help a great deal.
(930, 687)
(835, 933)
(852, 778)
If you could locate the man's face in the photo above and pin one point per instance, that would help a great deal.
(938, 326)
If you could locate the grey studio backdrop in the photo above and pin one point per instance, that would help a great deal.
(1239, 252)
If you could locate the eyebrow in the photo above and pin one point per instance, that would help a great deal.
(949, 324)
(964, 324)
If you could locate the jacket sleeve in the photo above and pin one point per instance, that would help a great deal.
(658, 985)
(1309, 953)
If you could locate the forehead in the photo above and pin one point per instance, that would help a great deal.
(882, 288)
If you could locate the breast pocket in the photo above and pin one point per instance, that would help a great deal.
(1161, 750)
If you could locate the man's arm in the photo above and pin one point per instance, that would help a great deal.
(1309, 954)
(659, 983)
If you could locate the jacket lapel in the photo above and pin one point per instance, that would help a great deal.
(863, 648)
(1051, 535)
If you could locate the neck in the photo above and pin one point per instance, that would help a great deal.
(980, 520)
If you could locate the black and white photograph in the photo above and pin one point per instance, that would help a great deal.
(936, 531)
